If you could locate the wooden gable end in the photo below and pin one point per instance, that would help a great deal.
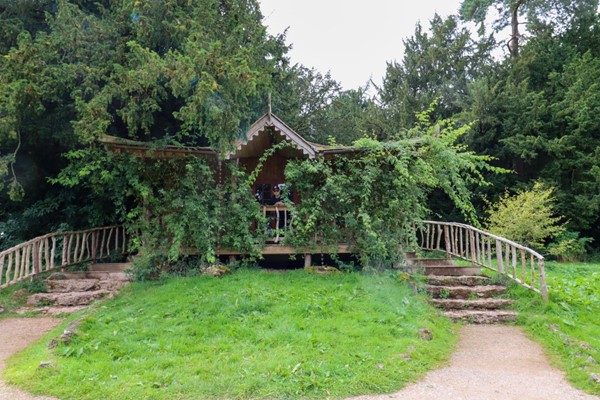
(259, 138)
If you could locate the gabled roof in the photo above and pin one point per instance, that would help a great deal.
(255, 136)
(270, 120)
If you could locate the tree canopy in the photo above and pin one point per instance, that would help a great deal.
(199, 72)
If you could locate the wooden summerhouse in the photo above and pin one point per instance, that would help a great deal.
(266, 132)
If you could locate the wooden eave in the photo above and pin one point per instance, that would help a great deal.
(141, 149)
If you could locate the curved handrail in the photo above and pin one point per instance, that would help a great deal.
(487, 250)
(59, 250)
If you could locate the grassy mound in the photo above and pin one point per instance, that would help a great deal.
(252, 334)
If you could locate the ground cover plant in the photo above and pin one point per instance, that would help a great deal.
(252, 334)
(568, 325)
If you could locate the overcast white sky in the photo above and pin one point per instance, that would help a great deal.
(353, 39)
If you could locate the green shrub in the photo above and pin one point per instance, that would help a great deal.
(529, 217)
(36, 285)
(570, 247)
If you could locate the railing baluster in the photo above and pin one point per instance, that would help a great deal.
(64, 260)
(69, 254)
(83, 247)
(9, 268)
(543, 287)
(108, 241)
(507, 259)
(499, 257)
(473, 248)
(532, 272)
(75, 252)
(522, 265)
(102, 244)
(36, 258)
(514, 261)
(447, 243)
(2, 257)
(47, 253)
(489, 245)
(53, 252)
(24, 262)
(117, 238)
(18, 264)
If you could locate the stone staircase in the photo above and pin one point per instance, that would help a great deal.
(68, 292)
(462, 292)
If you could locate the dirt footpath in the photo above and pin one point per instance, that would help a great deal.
(15, 335)
(492, 362)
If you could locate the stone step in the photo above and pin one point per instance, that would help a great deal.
(464, 292)
(71, 285)
(474, 304)
(83, 285)
(452, 270)
(55, 310)
(110, 267)
(102, 275)
(457, 280)
(481, 317)
(66, 299)
(434, 262)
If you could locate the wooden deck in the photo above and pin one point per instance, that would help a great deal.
(277, 249)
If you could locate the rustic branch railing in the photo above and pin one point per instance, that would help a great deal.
(280, 221)
(59, 250)
(508, 258)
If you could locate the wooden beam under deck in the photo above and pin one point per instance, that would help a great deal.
(276, 249)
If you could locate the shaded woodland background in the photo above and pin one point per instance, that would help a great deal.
(198, 73)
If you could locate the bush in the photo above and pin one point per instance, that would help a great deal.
(528, 217)
(570, 247)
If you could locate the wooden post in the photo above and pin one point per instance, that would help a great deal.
(47, 253)
(447, 241)
(64, 261)
(94, 245)
(523, 263)
(75, 259)
(24, 271)
(499, 257)
(124, 241)
(474, 250)
(532, 272)
(507, 259)
(36, 258)
(307, 260)
(53, 252)
(1, 267)
(489, 251)
(102, 243)
(543, 287)
(514, 262)
(9, 267)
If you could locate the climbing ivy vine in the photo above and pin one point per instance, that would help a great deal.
(374, 198)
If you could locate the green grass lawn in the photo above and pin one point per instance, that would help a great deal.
(252, 334)
(569, 325)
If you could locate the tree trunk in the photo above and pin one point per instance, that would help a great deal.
(513, 45)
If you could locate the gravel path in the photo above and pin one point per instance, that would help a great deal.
(16, 334)
(492, 362)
